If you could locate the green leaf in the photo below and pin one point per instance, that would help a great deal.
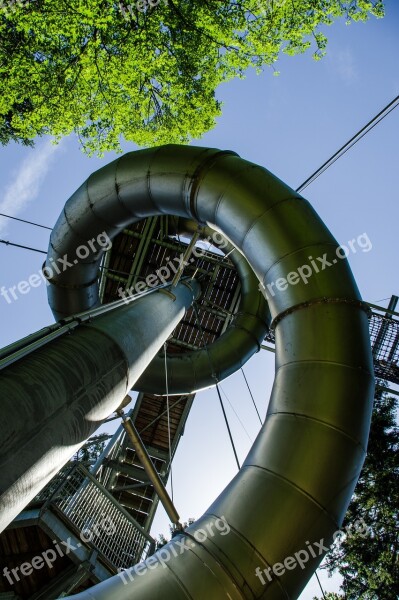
(108, 71)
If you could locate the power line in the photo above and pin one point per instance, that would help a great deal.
(236, 414)
(381, 300)
(322, 591)
(7, 243)
(217, 383)
(23, 221)
(349, 144)
(228, 426)
(168, 420)
(102, 268)
(253, 399)
(358, 136)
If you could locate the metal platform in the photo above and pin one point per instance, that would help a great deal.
(119, 469)
(384, 337)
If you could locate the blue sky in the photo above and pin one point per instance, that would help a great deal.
(289, 124)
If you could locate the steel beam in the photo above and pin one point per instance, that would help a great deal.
(150, 470)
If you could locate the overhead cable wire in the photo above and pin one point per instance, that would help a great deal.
(168, 420)
(350, 143)
(7, 243)
(217, 385)
(357, 137)
(250, 392)
(236, 414)
(322, 591)
(162, 414)
(228, 426)
(24, 221)
(102, 268)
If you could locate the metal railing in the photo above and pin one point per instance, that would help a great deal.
(384, 337)
(99, 520)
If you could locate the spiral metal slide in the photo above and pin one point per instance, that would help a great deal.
(293, 489)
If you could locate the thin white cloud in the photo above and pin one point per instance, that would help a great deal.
(26, 181)
(344, 63)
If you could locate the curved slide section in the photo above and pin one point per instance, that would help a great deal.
(295, 484)
(93, 212)
(293, 489)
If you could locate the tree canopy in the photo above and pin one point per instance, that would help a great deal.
(148, 70)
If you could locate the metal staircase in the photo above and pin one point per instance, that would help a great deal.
(119, 469)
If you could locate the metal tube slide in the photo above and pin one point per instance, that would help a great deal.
(99, 207)
(54, 398)
(268, 530)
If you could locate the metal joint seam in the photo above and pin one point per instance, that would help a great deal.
(296, 415)
(68, 286)
(225, 568)
(249, 333)
(323, 300)
(277, 204)
(197, 177)
(167, 293)
(244, 540)
(244, 314)
(297, 488)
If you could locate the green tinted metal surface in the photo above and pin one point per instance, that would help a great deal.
(295, 484)
(54, 398)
